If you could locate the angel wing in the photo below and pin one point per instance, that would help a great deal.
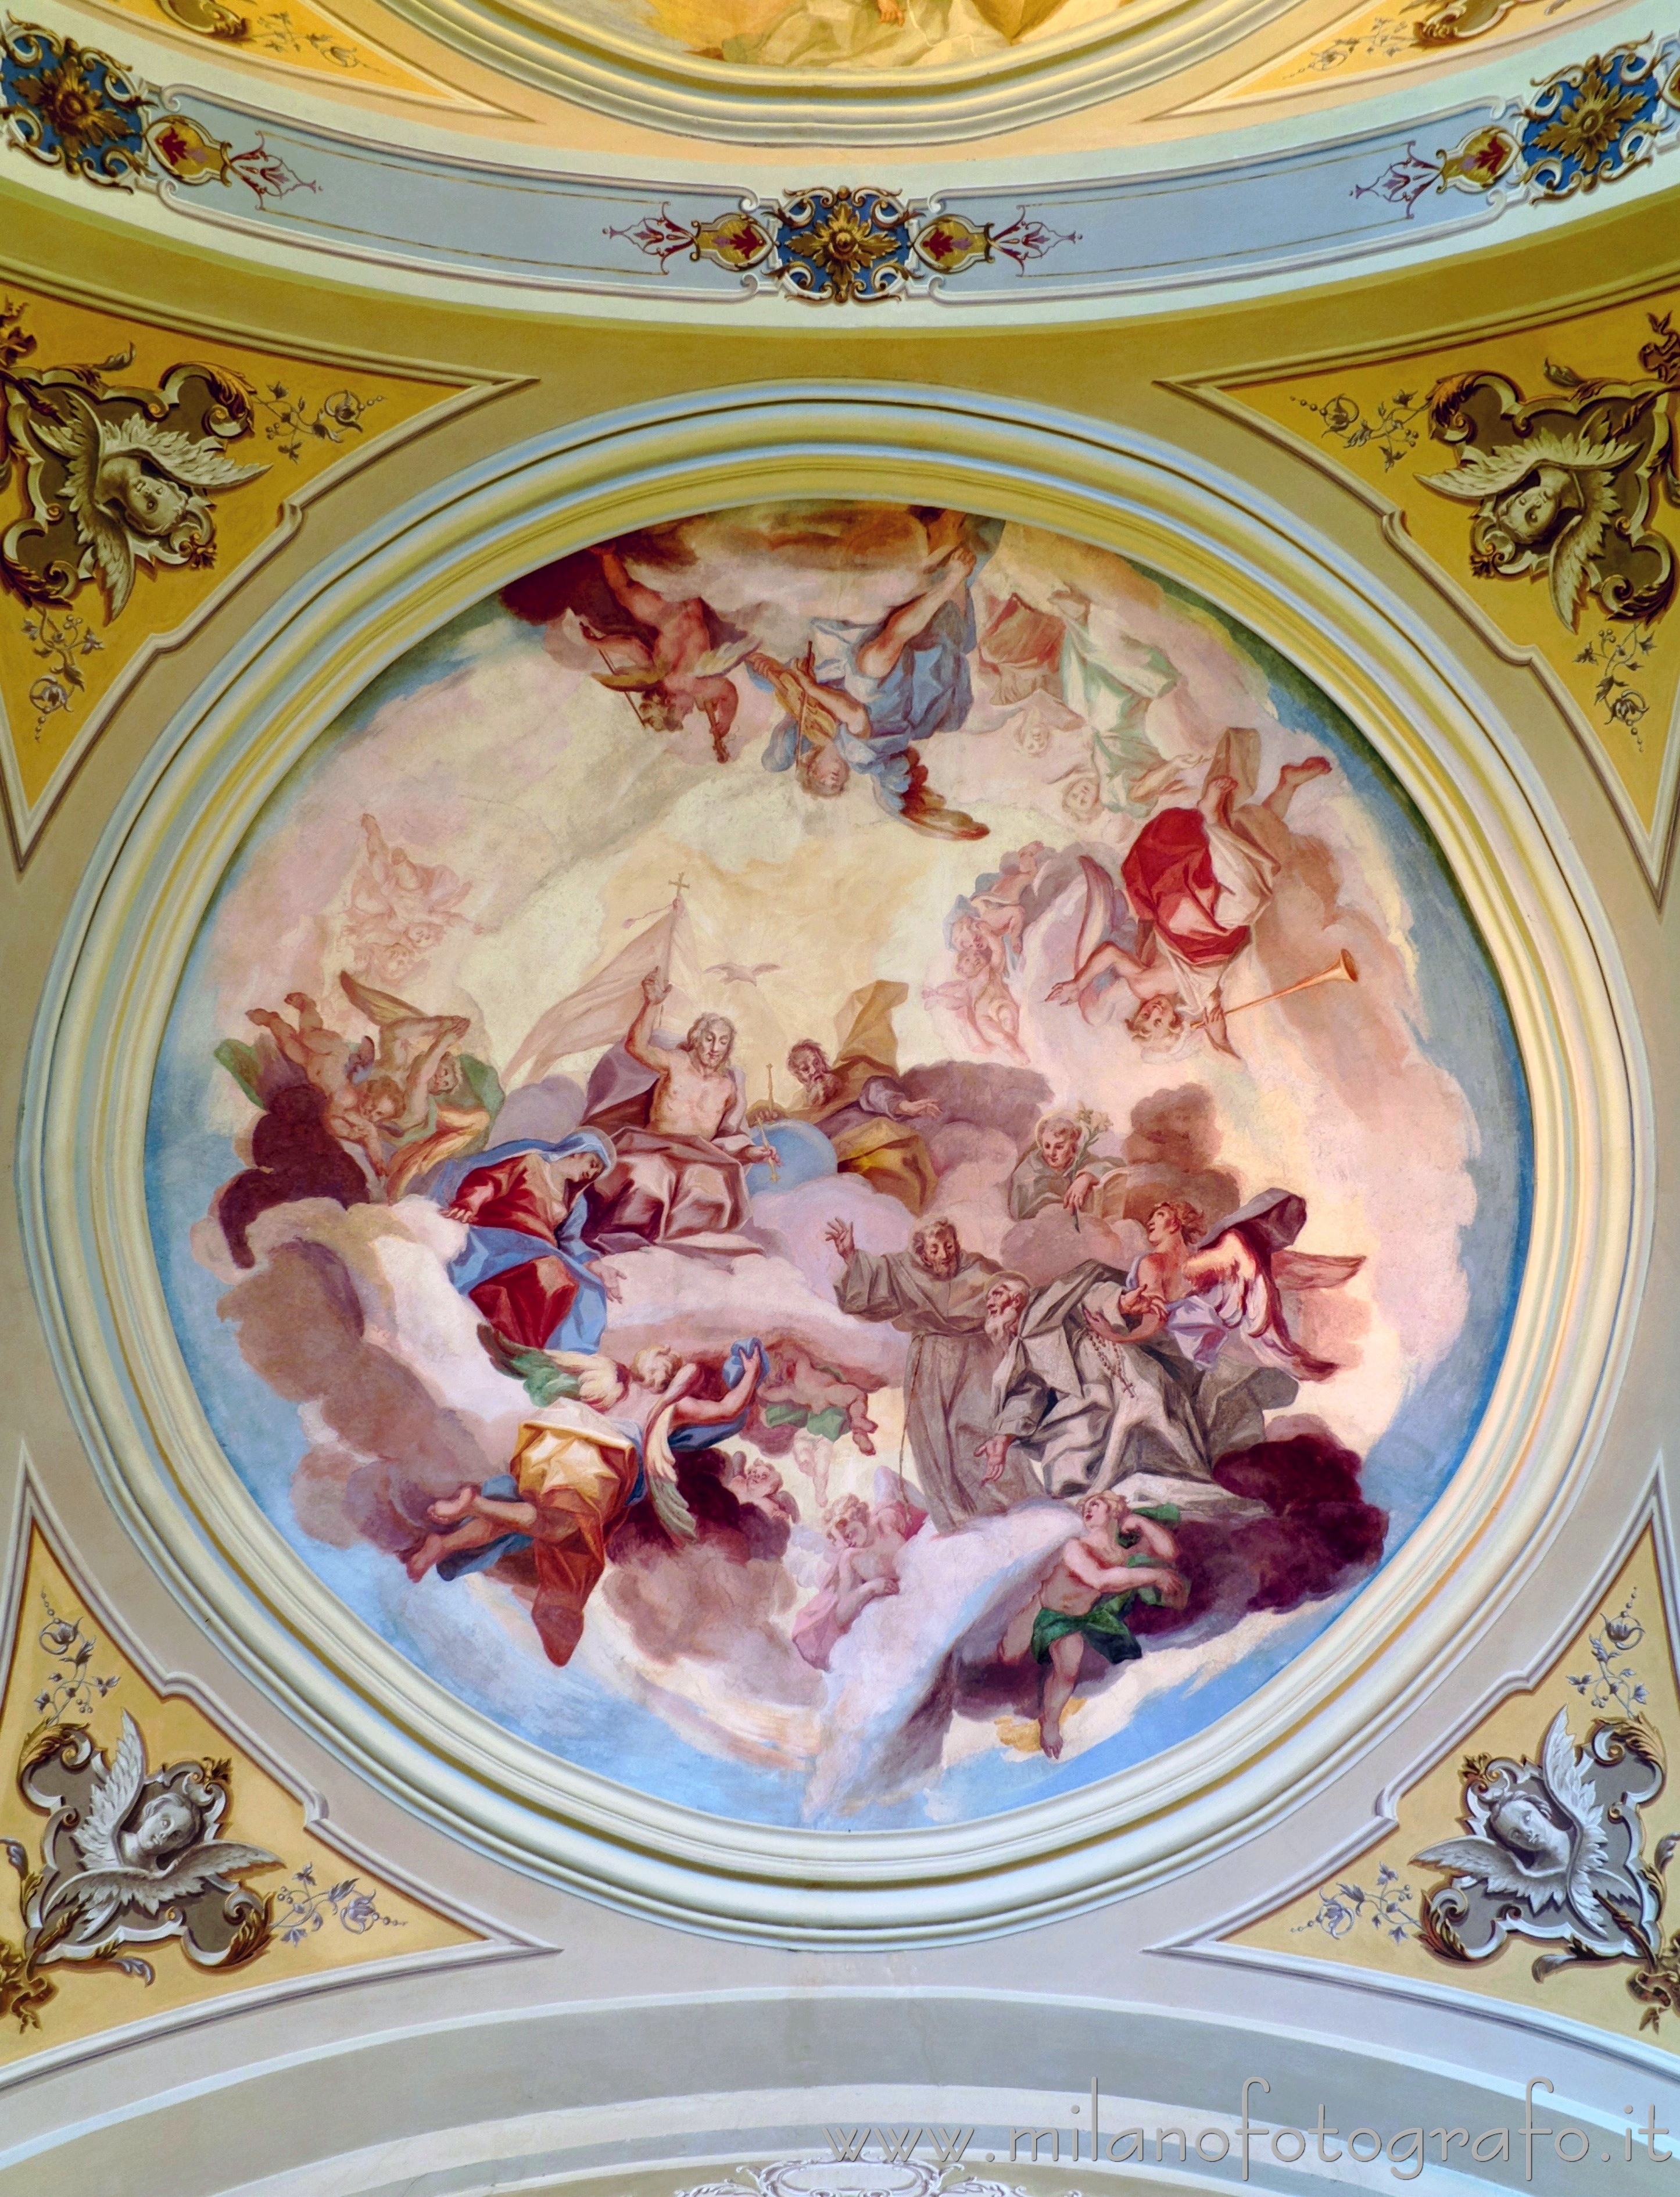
(1481, 473)
(1577, 546)
(1484, 1860)
(1106, 915)
(1314, 1269)
(926, 811)
(194, 460)
(722, 658)
(384, 1008)
(194, 1872)
(670, 1507)
(1102, 915)
(75, 436)
(100, 1895)
(1570, 1787)
(405, 1033)
(116, 1789)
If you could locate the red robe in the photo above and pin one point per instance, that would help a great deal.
(1170, 882)
(526, 1303)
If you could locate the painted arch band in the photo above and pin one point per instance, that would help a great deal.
(843, 1164)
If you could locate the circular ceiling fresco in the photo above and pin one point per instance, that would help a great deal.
(848, 1164)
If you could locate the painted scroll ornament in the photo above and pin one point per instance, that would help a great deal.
(1553, 1853)
(844, 246)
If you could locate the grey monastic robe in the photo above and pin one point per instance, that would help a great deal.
(947, 1383)
(1085, 1415)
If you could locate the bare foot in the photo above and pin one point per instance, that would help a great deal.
(954, 571)
(448, 1509)
(422, 1557)
(1298, 774)
(1049, 1739)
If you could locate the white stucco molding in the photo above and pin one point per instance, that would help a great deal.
(105, 1004)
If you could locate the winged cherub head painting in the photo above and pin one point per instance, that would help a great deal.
(136, 490)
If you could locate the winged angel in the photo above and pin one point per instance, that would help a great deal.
(116, 478)
(131, 1855)
(1554, 1853)
(1565, 486)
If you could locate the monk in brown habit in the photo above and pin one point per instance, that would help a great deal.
(936, 1293)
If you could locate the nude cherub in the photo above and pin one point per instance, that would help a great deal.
(815, 1458)
(868, 1542)
(997, 911)
(980, 996)
(326, 1058)
(797, 1380)
(375, 1097)
(1118, 1556)
(755, 1482)
(681, 672)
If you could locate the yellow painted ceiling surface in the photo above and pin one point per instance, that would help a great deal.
(299, 37)
(1371, 419)
(325, 1912)
(1391, 39)
(295, 420)
(1366, 1914)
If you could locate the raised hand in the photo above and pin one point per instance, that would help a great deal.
(654, 987)
(996, 1451)
(839, 1233)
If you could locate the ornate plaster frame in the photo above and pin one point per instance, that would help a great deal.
(543, 44)
(459, 392)
(32, 1508)
(108, 994)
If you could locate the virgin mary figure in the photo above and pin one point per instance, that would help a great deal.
(524, 1264)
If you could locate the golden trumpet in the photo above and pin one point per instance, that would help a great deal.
(1344, 969)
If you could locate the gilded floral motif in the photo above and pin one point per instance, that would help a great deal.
(844, 246)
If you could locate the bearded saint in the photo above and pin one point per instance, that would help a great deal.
(1086, 1395)
(676, 1115)
(935, 1294)
(859, 1104)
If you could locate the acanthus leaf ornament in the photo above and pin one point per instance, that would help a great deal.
(1565, 484)
(844, 245)
(115, 477)
(1553, 1853)
(1591, 124)
(129, 1856)
(75, 108)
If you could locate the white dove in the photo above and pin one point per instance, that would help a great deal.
(737, 972)
(159, 1859)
